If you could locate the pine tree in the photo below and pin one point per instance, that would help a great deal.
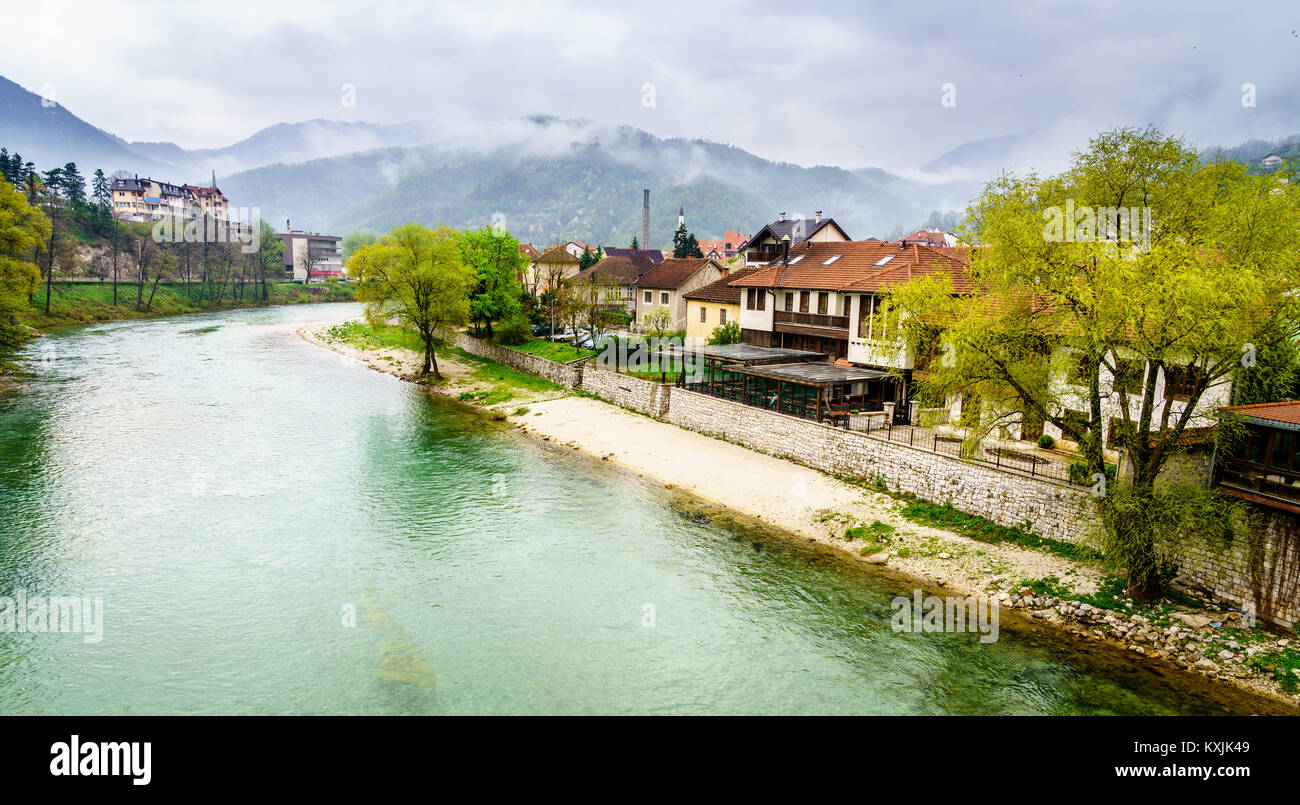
(103, 197)
(635, 244)
(685, 244)
(74, 184)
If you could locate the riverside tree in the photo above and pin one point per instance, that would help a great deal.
(415, 274)
(1136, 267)
(495, 260)
(23, 230)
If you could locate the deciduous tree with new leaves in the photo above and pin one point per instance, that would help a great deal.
(1070, 300)
(415, 274)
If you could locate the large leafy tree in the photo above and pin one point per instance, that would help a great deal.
(23, 231)
(1084, 310)
(416, 275)
(494, 257)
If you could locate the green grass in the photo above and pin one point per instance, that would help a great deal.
(558, 351)
(73, 303)
(501, 382)
(1281, 664)
(981, 528)
(363, 336)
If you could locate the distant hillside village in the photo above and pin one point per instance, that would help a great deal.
(308, 256)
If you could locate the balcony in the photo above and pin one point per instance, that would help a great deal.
(1268, 486)
(790, 322)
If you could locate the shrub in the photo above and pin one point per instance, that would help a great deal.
(514, 331)
(728, 333)
(1078, 473)
(1046, 442)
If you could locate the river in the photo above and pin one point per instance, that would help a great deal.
(274, 529)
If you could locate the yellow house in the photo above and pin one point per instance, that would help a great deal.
(712, 306)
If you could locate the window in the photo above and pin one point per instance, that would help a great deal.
(1077, 420)
(1181, 381)
(762, 298)
(749, 298)
(821, 303)
(803, 301)
(1283, 447)
(704, 314)
(648, 297)
(1082, 370)
(846, 305)
(1128, 375)
(663, 297)
(722, 315)
(789, 302)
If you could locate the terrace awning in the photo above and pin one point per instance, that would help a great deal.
(743, 354)
(816, 375)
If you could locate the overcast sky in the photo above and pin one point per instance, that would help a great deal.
(829, 83)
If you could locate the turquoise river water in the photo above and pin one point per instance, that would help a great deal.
(274, 529)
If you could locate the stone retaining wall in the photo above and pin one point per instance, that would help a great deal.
(565, 374)
(1268, 578)
(630, 392)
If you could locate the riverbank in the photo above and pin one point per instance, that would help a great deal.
(74, 304)
(868, 525)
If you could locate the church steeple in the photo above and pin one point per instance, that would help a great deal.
(681, 215)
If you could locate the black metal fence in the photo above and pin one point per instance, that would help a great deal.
(879, 426)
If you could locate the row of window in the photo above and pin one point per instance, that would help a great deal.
(756, 299)
(1272, 448)
(649, 297)
(1180, 381)
(704, 315)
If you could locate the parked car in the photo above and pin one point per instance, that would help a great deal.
(567, 334)
(584, 342)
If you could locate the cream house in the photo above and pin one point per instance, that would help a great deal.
(667, 284)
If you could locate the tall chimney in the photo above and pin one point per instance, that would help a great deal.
(781, 217)
(818, 219)
(645, 219)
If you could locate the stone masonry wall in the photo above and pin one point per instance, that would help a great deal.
(1054, 510)
(630, 392)
(567, 375)
(1271, 581)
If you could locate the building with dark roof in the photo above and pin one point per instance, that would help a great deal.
(665, 286)
(771, 242)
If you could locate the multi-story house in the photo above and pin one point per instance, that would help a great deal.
(311, 256)
(553, 267)
(830, 298)
(616, 278)
(147, 199)
(666, 285)
(211, 201)
(772, 241)
(714, 305)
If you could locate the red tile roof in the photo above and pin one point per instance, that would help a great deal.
(672, 272)
(858, 266)
(1288, 412)
(617, 269)
(722, 290)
